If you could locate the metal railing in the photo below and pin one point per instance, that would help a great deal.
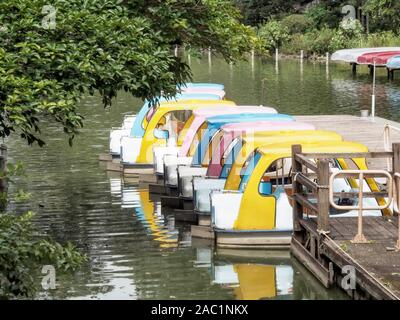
(361, 174)
(396, 207)
(387, 141)
(313, 186)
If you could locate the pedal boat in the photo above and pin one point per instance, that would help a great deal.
(132, 125)
(137, 151)
(175, 166)
(190, 128)
(258, 213)
(238, 152)
(230, 131)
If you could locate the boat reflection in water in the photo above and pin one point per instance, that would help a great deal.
(241, 273)
(147, 210)
(260, 274)
(255, 281)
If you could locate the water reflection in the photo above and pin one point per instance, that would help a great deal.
(259, 274)
(146, 209)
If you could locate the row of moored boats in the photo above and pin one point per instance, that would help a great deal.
(228, 164)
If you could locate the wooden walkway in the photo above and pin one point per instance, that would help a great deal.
(324, 243)
(376, 263)
(357, 129)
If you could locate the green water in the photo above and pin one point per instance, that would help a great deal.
(136, 251)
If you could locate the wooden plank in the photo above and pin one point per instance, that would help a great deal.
(389, 227)
(105, 157)
(346, 231)
(297, 210)
(202, 232)
(310, 226)
(368, 283)
(303, 201)
(117, 167)
(139, 170)
(306, 162)
(204, 220)
(313, 265)
(305, 181)
(323, 195)
(259, 239)
(148, 177)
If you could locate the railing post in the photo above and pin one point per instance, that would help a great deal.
(396, 158)
(396, 182)
(396, 164)
(323, 195)
(297, 188)
(360, 238)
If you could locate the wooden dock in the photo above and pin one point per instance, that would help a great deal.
(365, 250)
(358, 129)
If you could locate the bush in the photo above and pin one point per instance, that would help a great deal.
(382, 39)
(321, 40)
(349, 35)
(273, 34)
(297, 23)
(22, 252)
(314, 42)
(297, 43)
(321, 17)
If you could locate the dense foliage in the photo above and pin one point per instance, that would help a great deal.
(256, 12)
(384, 14)
(101, 46)
(23, 252)
(322, 27)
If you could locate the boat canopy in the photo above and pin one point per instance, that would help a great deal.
(199, 116)
(158, 117)
(140, 124)
(217, 86)
(248, 145)
(214, 124)
(227, 152)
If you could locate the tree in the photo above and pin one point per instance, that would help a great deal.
(384, 14)
(256, 12)
(51, 56)
(274, 34)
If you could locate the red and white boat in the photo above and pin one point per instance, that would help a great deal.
(380, 59)
(351, 55)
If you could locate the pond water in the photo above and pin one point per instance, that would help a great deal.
(136, 251)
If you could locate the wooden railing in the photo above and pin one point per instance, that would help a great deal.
(311, 183)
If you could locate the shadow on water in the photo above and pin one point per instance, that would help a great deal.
(134, 250)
